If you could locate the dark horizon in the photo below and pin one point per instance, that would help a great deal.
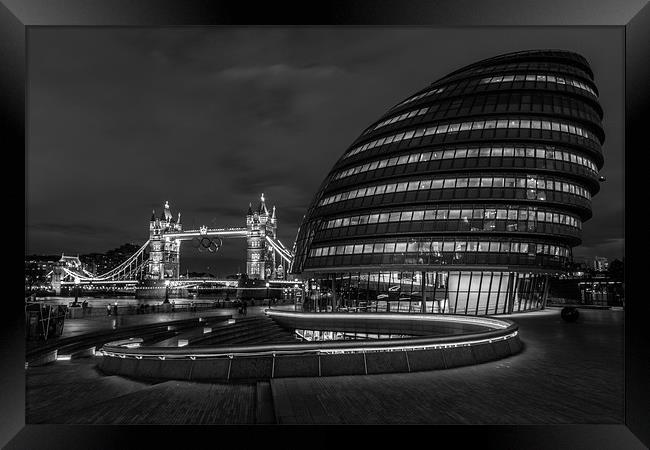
(122, 120)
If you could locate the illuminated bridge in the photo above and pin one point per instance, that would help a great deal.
(157, 261)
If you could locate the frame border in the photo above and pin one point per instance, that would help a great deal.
(16, 16)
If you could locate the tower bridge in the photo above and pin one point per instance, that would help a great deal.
(157, 262)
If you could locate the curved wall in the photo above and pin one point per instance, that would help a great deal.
(491, 168)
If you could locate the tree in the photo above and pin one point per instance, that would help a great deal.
(616, 270)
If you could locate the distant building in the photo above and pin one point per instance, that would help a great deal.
(38, 269)
(601, 264)
(98, 263)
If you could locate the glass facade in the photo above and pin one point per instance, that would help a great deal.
(445, 292)
(462, 198)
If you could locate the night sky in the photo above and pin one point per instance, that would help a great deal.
(122, 120)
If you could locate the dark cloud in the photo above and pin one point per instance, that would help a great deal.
(121, 120)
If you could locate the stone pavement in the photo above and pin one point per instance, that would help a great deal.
(76, 327)
(568, 373)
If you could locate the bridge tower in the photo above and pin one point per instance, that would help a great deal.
(164, 253)
(260, 259)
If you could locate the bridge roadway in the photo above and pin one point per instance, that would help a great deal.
(179, 282)
(235, 232)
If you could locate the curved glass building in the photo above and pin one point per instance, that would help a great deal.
(464, 197)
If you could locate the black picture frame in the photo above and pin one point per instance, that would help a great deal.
(16, 16)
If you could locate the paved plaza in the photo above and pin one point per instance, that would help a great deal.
(567, 373)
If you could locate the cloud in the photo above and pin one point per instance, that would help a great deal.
(283, 72)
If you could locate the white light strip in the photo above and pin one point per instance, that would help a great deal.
(419, 347)
(488, 322)
(321, 351)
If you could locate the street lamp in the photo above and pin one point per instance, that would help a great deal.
(295, 296)
(166, 291)
(267, 293)
(77, 281)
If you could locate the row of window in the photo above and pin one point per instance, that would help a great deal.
(539, 78)
(475, 125)
(456, 87)
(435, 247)
(406, 115)
(512, 213)
(531, 183)
(502, 102)
(448, 258)
(497, 79)
(531, 66)
(462, 153)
(422, 95)
(450, 226)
